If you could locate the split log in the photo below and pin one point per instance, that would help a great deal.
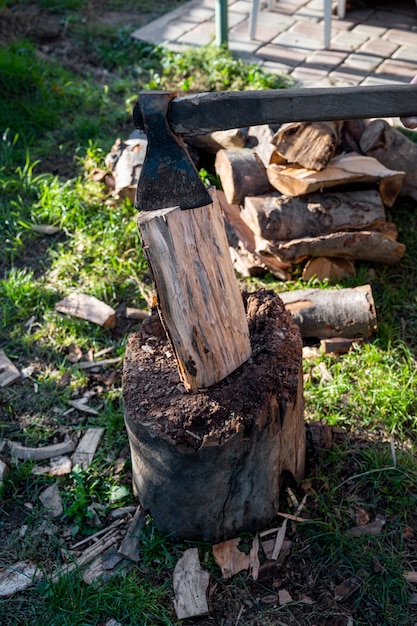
(282, 218)
(130, 545)
(219, 140)
(242, 245)
(198, 296)
(23, 453)
(294, 180)
(9, 373)
(190, 584)
(394, 150)
(125, 159)
(242, 173)
(310, 144)
(260, 140)
(209, 465)
(325, 313)
(87, 308)
(330, 268)
(364, 245)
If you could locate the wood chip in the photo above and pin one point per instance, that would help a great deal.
(411, 576)
(81, 406)
(229, 558)
(44, 229)
(103, 567)
(87, 308)
(4, 470)
(85, 365)
(254, 558)
(346, 588)
(17, 577)
(130, 544)
(190, 584)
(90, 554)
(87, 447)
(40, 454)
(51, 500)
(59, 466)
(9, 373)
(136, 314)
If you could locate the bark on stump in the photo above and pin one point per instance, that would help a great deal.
(209, 465)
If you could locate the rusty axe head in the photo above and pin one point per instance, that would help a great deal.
(169, 177)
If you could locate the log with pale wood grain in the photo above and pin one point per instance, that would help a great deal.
(280, 218)
(325, 313)
(246, 259)
(242, 173)
(294, 180)
(370, 246)
(198, 296)
(125, 160)
(260, 140)
(394, 150)
(310, 144)
(219, 140)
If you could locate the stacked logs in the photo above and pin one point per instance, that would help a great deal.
(312, 192)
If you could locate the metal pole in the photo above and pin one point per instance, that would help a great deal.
(221, 22)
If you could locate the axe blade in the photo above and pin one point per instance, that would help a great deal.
(169, 177)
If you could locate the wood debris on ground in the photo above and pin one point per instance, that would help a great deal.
(88, 308)
(42, 453)
(130, 544)
(9, 373)
(17, 577)
(87, 446)
(52, 501)
(190, 584)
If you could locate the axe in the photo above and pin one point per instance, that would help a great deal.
(169, 177)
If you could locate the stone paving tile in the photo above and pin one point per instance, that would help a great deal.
(241, 6)
(309, 76)
(405, 53)
(281, 54)
(201, 35)
(326, 59)
(347, 75)
(389, 18)
(367, 63)
(379, 47)
(275, 68)
(400, 70)
(403, 38)
(371, 30)
(297, 42)
(350, 40)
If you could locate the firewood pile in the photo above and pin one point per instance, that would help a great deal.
(322, 194)
(317, 193)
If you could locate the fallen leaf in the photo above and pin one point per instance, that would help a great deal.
(284, 597)
(362, 517)
(229, 558)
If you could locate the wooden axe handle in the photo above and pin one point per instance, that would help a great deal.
(206, 112)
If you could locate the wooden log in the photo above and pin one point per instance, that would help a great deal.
(325, 313)
(87, 308)
(209, 465)
(125, 159)
(242, 173)
(294, 180)
(328, 268)
(219, 140)
(363, 245)
(198, 296)
(277, 217)
(246, 259)
(260, 140)
(310, 144)
(394, 150)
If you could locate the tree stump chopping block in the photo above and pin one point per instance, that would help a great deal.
(208, 465)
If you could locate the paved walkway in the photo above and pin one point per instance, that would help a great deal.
(369, 46)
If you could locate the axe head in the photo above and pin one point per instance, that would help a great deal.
(169, 177)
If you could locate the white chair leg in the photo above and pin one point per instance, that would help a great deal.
(253, 19)
(327, 22)
(341, 8)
